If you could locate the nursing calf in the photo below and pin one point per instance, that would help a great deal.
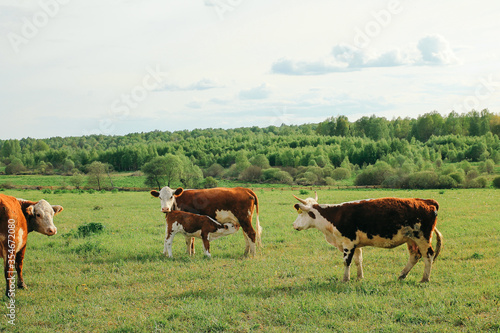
(194, 225)
(19, 217)
(386, 223)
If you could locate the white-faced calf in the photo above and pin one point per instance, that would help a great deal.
(194, 225)
(386, 223)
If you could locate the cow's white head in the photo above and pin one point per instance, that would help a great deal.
(41, 217)
(167, 197)
(306, 218)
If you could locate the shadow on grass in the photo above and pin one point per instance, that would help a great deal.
(332, 285)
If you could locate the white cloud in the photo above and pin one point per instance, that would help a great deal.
(261, 92)
(436, 50)
(203, 84)
(430, 50)
(289, 67)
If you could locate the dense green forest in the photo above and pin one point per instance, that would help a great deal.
(458, 150)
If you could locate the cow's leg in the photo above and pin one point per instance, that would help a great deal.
(412, 260)
(250, 235)
(167, 248)
(358, 260)
(348, 254)
(19, 268)
(206, 245)
(427, 252)
(190, 245)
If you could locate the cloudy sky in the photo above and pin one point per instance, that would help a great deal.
(72, 68)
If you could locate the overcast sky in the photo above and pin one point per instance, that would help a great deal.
(74, 67)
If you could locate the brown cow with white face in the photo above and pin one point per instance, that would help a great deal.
(19, 217)
(226, 205)
(386, 223)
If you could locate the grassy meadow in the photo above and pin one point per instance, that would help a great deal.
(119, 280)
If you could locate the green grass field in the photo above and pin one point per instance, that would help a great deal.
(119, 281)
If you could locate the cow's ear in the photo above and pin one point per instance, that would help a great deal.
(57, 209)
(30, 210)
(178, 191)
(300, 208)
(155, 194)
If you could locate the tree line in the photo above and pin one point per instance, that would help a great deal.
(323, 153)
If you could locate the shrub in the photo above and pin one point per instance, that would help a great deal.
(374, 174)
(479, 182)
(284, 177)
(446, 181)
(270, 174)
(329, 181)
(341, 173)
(396, 182)
(458, 176)
(251, 174)
(423, 179)
(89, 229)
(496, 182)
(210, 182)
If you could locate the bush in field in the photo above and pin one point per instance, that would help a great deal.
(396, 181)
(15, 167)
(496, 182)
(341, 173)
(270, 174)
(77, 180)
(210, 182)
(374, 174)
(277, 175)
(446, 181)
(423, 179)
(215, 170)
(87, 229)
(459, 176)
(251, 174)
(478, 182)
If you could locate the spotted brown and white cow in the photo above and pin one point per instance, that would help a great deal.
(386, 223)
(194, 225)
(226, 205)
(19, 217)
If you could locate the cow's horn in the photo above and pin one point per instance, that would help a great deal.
(316, 196)
(301, 200)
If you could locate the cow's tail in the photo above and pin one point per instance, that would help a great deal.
(258, 239)
(439, 243)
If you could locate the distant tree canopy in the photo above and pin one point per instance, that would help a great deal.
(308, 153)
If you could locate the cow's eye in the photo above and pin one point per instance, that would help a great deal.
(38, 214)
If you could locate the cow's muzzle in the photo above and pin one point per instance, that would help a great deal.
(165, 210)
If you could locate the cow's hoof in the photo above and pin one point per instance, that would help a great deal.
(424, 280)
(22, 285)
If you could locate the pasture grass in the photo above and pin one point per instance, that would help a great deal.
(119, 281)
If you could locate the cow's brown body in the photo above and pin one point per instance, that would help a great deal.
(385, 222)
(17, 218)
